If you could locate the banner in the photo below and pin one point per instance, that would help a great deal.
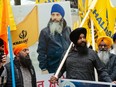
(82, 83)
(27, 30)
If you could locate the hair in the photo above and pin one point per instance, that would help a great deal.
(1, 42)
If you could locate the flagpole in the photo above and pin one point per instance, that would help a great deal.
(93, 45)
(11, 57)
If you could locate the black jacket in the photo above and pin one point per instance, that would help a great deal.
(18, 75)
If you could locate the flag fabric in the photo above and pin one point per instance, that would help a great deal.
(27, 30)
(6, 18)
(111, 18)
(104, 17)
(90, 5)
(46, 1)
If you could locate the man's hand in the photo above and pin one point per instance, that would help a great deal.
(53, 79)
(114, 82)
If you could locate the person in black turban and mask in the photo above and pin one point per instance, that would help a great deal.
(81, 61)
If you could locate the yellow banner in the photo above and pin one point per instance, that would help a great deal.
(103, 17)
(27, 30)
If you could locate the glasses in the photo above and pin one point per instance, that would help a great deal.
(103, 45)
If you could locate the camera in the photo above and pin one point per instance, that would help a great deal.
(1, 54)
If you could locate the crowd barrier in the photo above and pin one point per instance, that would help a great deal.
(82, 83)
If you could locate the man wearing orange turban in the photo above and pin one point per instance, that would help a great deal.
(108, 41)
(23, 68)
(19, 47)
(104, 44)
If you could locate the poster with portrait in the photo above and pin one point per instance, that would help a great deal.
(44, 11)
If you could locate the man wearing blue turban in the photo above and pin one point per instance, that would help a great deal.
(53, 40)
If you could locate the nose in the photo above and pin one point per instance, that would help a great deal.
(55, 17)
(83, 39)
(103, 46)
(27, 51)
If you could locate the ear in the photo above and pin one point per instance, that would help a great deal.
(17, 55)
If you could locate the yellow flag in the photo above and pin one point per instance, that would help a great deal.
(10, 17)
(91, 5)
(27, 30)
(102, 15)
(111, 18)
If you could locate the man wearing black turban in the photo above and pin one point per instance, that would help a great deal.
(81, 61)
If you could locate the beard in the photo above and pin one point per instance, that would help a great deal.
(104, 56)
(82, 48)
(25, 61)
(56, 27)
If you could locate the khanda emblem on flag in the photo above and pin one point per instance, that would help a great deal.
(23, 34)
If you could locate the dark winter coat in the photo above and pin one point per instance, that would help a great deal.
(51, 48)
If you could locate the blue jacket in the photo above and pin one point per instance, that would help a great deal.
(51, 48)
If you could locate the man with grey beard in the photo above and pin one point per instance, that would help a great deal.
(53, 41)
(104, 44)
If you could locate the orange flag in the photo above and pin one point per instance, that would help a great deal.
(6, 18)
(3, 25)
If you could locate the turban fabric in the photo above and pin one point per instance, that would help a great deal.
(107, 40)
(59, 9)
(74, 35)
(19, 48)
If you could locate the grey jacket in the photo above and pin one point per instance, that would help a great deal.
(111, 66)
(81, 67)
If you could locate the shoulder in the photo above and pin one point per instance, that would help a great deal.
(112, 55)
(7, 65)
(68, 28)
(92, 53)
(44, 31)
